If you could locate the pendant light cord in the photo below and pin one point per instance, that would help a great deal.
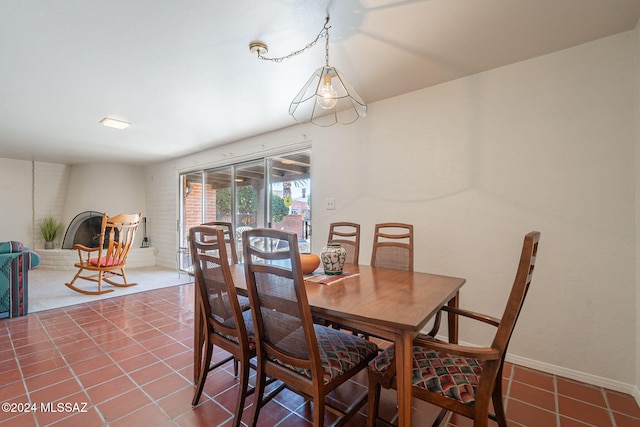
(323, 33)
(326, 44)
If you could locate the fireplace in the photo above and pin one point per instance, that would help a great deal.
(84, 229)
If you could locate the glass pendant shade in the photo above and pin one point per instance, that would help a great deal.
(326, 99)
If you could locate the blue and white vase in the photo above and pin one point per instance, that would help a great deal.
(333, 256)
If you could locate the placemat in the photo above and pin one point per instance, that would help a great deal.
(326, 279)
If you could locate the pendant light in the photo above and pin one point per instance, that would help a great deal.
(327, 98)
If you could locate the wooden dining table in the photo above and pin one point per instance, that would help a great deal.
(392, 304)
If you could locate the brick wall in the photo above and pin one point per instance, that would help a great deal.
(291, 223)
(50, 182)
(193, 207)
(162, 206)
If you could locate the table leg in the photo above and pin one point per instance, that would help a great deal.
(404, 345)
(453, 319)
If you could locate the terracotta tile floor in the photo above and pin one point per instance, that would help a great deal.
(127, 361)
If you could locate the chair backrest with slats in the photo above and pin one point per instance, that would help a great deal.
(518, 293)
(282, 316)
(393, 246)
(348, 235)
(213, 280)
(116, 238)
(229, 238)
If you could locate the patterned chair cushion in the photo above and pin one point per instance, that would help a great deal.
(339, 352)
(451, 376)
(248, 322)
(244, 303)
(242, 300)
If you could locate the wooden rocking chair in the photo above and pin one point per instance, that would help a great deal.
(109, 258)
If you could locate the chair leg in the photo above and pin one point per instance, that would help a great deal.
(498, 404)
(100, 277)
(318, 411)
(258, 394)
(204, 370)
(242, 392)
(71, 285)
(75, 277)
(373, 399)
(444, 413)
(122, 274)
(197, 362)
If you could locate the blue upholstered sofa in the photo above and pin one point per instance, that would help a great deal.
(15, 262)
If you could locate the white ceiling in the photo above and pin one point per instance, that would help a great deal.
(182, 74)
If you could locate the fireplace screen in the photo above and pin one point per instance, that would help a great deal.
(84, 229)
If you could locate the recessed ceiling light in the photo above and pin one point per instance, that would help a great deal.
(114, 123)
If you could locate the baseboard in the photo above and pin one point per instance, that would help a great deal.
(572, 374)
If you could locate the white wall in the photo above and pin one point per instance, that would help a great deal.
(107, 188)
(16, 219)
(546, 144)
(31, 191)
(110, 188)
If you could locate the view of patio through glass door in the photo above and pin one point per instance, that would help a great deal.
(272, 192)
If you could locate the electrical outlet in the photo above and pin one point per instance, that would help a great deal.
(331, 203)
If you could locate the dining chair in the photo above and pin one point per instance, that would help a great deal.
(232, 253)
(348, 235)
(311, 359)
(226, 324)
(393, 246)
(229, 238)
(461, 379)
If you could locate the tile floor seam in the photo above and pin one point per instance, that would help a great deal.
(137, 386)
(53, 342)
(24, 383)
(626, 415)
(507, 394)
(141, 408)
(154, 401)
(214, 397)
(581, 421)
(291, 414)
(126, 373)
(608, 406)
(103, 416)
(532, 405)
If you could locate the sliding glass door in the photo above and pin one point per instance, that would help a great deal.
(273, 192)
(290, 207)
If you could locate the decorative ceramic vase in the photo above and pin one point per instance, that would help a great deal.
(333, 256)
(309, 263)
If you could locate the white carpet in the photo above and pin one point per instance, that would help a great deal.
(47, 289)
